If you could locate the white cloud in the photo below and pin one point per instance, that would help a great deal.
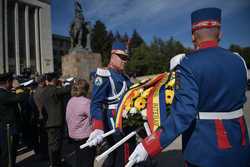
(118, 13)
(163, 18)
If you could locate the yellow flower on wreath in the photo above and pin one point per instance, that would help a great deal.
(136, 94)
(146, 92)
(169, 96)
(140, 103)
(170, 83)
(128, 104)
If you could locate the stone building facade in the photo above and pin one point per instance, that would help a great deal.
(25, 36)
(61, 46)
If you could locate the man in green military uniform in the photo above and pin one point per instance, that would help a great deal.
(53, 106)
(8, 120)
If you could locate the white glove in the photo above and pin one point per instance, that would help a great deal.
(95, 137)
(70, 79)
(139, 154)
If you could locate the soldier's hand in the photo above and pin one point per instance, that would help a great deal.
(140, 154)
(95, 137)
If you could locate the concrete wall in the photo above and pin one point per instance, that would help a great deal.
(47, 64)
(46, 39)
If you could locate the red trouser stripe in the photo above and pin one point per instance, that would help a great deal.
(126, 152)
(221, 134)
(114, 113)
(243, 131)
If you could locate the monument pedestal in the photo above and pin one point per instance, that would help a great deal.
(80, 64)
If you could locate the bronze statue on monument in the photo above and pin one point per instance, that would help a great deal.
(88, 42)
(81, 60)
(80, 31)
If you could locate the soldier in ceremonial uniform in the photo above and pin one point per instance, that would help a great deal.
(109, 85)
(207, 106)
(8, 120)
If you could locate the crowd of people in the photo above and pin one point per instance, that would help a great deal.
(26, 116)
(37, 112)
(207, 112)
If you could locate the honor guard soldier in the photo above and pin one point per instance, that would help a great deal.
(8, 120)
(207, 106)
(109, 85)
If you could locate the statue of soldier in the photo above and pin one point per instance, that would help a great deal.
(78, 28)
(88, 42)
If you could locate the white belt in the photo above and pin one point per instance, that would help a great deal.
(220, 115)
(112, 106)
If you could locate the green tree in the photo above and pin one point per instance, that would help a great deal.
(118, 36)
(235, 48)
(136, 40)
(155, 58)
(244, 52)
(107, 46)
(246, 55)
(139, 64)
(125, 38)
(99, 36)
(102, 41)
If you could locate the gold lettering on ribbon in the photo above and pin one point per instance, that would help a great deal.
(156, 103)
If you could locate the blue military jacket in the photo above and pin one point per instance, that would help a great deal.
(108, 87)
(212, 80)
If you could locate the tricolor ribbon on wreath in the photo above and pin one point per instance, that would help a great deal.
(147, 104)
(150, 99)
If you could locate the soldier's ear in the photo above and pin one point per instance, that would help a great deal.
(194, 40)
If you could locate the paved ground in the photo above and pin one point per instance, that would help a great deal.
(171, 157)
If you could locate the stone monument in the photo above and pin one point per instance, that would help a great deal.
(81, 60)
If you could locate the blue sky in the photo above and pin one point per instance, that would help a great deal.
(156, 18)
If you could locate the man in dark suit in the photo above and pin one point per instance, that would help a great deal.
(41, 137)
(53, 106)
(8, 120)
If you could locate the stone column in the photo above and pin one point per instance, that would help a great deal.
(37, 41)
(1, 39)
(6, 44)
(17, 52)
(27, 37)
(40, 34)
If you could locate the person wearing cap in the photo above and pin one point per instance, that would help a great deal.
(207, 106)
(8, 120)
(53, 107)
(109, 84)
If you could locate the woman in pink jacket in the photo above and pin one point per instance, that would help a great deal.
(78, 120)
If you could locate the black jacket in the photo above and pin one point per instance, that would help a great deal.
(9, 106)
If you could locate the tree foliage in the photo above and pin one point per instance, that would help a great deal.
(135, 41)
(145, 59)
(154, 58)
(243, 51)
(102, 41)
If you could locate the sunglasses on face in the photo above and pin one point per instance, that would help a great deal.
(123, 57)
